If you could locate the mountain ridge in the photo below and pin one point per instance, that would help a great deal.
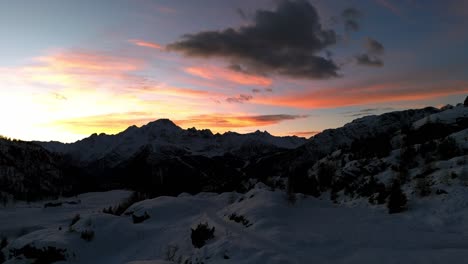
(164, 159)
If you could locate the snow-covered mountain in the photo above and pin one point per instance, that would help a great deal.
(167, 139)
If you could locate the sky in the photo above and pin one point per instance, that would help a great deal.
(291, 67)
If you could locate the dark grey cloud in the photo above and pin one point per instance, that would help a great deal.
(271, 118)
(351, 18)
(289, 40)
(374, 47)
(368, 111)
(241, 13)
(372, 57)
(369, 60)
(239, 99)
(256, 90)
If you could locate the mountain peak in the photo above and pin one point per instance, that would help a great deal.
(162, 123)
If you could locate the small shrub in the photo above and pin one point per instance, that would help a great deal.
(397, 199)
(125, 204)
(87, 235)
(423, 187)
(53, 204)
(171, 253)
(201, 234)
(448, 149)
(3, 243)
(75, 219)
(240, 219)
(140, 219)
(46, 255)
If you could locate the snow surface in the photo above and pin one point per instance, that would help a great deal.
(448, 116)
(312, 230)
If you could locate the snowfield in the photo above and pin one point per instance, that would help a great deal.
(312, 230)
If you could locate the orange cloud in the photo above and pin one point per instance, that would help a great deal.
(78, 61)
(220, 122)
(215, 73)
(340, 97)
(174, 91)
(146, 44)
(106, 123)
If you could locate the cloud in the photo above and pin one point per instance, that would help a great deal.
(237, 77)
(239, 99)
(369, 60)
(389, 6)
(351, 16)
(374, 50)
(287, 41)
(166, 10)
(255, 90)
(361, 95)
(223, 122)
(146, 44)
(373, 46)
(241, 13)
(109, 123)
(368, 111)
(162, 89)
(73, 69)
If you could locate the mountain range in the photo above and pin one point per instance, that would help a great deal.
(161, 158)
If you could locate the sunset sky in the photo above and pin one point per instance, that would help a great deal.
(72, 68)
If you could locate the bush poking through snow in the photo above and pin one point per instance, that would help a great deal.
(87, 235)
(423, 187)
(125, 204)
(140, 219)
(397, 199)
(46, 255)
(240, 219)
(75, 219)
(3, 245)
(201, 234)
(448, 149)
(57, 204)
(171, 253)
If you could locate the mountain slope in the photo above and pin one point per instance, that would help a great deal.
(28, 171)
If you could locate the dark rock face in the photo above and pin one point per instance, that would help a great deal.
(28, 171)
(466, 102)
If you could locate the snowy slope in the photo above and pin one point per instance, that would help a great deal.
(310, 231)
(389, 123)
(449, 116)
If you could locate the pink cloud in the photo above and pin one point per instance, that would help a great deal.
(215, 73)
(340, 97)
(146, 44)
